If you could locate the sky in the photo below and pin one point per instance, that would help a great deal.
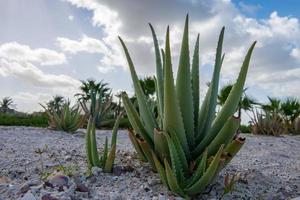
(48, 46)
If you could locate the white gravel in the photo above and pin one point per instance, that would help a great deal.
(270, 168)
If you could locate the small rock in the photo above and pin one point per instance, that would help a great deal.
(81, 188)
(36, 189)
(79, 179)
(96, 171)
(127, 168)
(68, 158)
(93, 179)
(59, 181)
(24, 188)
(48, 197)
(153, 181)
(28, 196)
(117, 170)
(4, 180)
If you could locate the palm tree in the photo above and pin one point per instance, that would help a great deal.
(273, 106)
(246, 103)
(148, 86)
(290, 110)
(91, 92)
(91, 85)
(56, 104)
(5, 104)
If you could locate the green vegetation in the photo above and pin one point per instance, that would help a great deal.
(56, 104)
(245, 128)
(97, 108)
(5, 105)
(36, 120)
(92, 93)
(66, 118)
(267, 123)
(186, 145)
(246, 103)
(277, 117)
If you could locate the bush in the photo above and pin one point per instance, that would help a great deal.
(245, 128)
(109, 123)
(35, 120)
(267, 124)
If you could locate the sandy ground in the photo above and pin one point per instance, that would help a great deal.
(269, 166)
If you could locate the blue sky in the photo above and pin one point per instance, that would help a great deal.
(265, 7)
(47, 46)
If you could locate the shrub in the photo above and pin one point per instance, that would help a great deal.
(186, 145)
(245, 128)
(297, 126)
(35, 120)
(67, 119)
(267, 124)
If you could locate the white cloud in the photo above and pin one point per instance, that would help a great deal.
(85, 44)
(14, 51)
(30, 74)
(105, 70)
(110, 54)
(295, 52)
(278, 36)
(29, 101)
(71, 17)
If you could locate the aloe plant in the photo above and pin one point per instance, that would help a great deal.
(95, 94)
(186, 145)
(66, 119)
(106, 160)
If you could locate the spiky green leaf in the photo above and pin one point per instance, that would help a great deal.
(172, 115)
(195, 83)
(231, 103)
(146, 115)
(184, 87)
(201, 184)
(159, 72)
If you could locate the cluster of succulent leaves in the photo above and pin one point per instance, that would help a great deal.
(97, 108)
(187, 145)
(66, 118)
(277, 117)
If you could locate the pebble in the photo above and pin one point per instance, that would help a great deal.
(81, 188)
(28, 196)
(96, 171)
(48, 197)
(59, 181)
(268, 173)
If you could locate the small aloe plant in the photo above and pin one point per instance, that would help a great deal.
(67, 119)
(186, 145)
(105, 161)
